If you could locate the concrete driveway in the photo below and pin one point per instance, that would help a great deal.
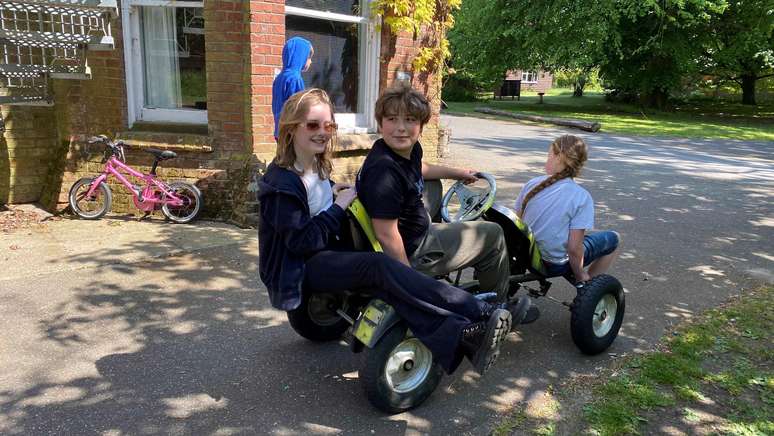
(117, 327)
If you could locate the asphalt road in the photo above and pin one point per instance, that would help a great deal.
(168, 335)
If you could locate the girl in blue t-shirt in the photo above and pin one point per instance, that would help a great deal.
(559, 212)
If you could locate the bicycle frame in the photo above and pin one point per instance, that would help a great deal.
(144, 200)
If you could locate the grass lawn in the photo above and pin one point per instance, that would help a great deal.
(702, 119)
(712, 376)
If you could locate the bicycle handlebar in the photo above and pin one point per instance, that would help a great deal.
(112, 147)
(105, 140)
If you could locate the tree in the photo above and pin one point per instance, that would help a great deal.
(643, 47)
(658, 43)
(494, 36)
(739, 44)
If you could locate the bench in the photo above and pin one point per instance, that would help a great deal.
(510, 88)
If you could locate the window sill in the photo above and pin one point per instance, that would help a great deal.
(187, 142)
(356, 141)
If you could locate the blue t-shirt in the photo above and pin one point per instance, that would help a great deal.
(553, 212)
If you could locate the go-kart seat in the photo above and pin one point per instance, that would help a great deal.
(361, 229)
(522, 248)
(530, 251)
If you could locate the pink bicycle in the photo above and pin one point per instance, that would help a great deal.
(90, 197)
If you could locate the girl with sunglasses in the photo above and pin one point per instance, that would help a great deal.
(300, 250)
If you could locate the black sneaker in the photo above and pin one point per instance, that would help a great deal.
(518, 309)
(481, 340)
(533, 313)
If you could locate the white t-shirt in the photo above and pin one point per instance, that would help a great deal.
(553, 212)
(318, 192)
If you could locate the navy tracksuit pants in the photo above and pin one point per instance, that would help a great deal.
(434, 311)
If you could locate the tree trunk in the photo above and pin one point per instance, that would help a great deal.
(657, 98)
(578, 86)
(748, 88)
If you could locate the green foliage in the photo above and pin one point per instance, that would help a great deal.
(462, 87)
(648, 49)
(739, 44)
(431, 17)
(567, 78)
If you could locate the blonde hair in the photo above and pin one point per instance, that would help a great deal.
(573, 153)
(293, 114)
(402, 99)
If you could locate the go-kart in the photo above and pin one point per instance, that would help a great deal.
(398, 372)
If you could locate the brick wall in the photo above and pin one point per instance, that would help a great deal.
(27, 150)
(544, 82)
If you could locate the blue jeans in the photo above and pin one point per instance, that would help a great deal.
(595, 246)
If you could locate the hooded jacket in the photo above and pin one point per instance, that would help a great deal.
(288, 235)
(289, 81)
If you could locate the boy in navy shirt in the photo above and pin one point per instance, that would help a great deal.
(390, 185)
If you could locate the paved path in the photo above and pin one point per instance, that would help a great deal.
(118, 327)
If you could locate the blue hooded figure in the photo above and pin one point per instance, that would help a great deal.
(295, 54)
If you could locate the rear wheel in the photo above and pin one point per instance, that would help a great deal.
(597, 314)
(316, 318)
(92, 206)
(399, 373)
(191, 206)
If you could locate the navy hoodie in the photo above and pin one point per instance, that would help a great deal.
(288, 235)
(289, 81)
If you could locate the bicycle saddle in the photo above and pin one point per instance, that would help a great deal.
(161, 154)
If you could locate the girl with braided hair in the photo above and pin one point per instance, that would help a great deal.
(559, 212)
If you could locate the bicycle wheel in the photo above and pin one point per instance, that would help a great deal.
(91, 207)
(192, 203)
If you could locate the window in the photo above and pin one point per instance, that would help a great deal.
(529, 77)
(165, 60)
(346, 51)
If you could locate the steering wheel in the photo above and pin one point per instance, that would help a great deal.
(472, 204)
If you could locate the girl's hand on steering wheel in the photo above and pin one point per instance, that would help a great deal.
(345, 197)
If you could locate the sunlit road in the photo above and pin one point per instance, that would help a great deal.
(185, 344)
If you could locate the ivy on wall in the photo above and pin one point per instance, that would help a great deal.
(430, 17)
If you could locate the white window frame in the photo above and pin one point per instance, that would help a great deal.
(525, 75)
(370, 44)
(135, 94)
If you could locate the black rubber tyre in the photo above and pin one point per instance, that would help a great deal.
(597, 314)
(316, 318)
(399, 373)
(192, 198)
(89, 209)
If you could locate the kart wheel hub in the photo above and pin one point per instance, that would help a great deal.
(408, 366)
(604, 315)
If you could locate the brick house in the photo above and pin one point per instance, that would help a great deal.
(538, 81)
(195, 77)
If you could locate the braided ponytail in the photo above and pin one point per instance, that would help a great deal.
(572, 152)
(543, 185)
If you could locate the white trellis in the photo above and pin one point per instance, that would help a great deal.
(47, 39)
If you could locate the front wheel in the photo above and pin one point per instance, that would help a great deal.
(597, 314)
(191, 206)
(90, 207)
(399, 373)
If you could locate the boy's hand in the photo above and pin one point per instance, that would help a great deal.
(468, 176)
